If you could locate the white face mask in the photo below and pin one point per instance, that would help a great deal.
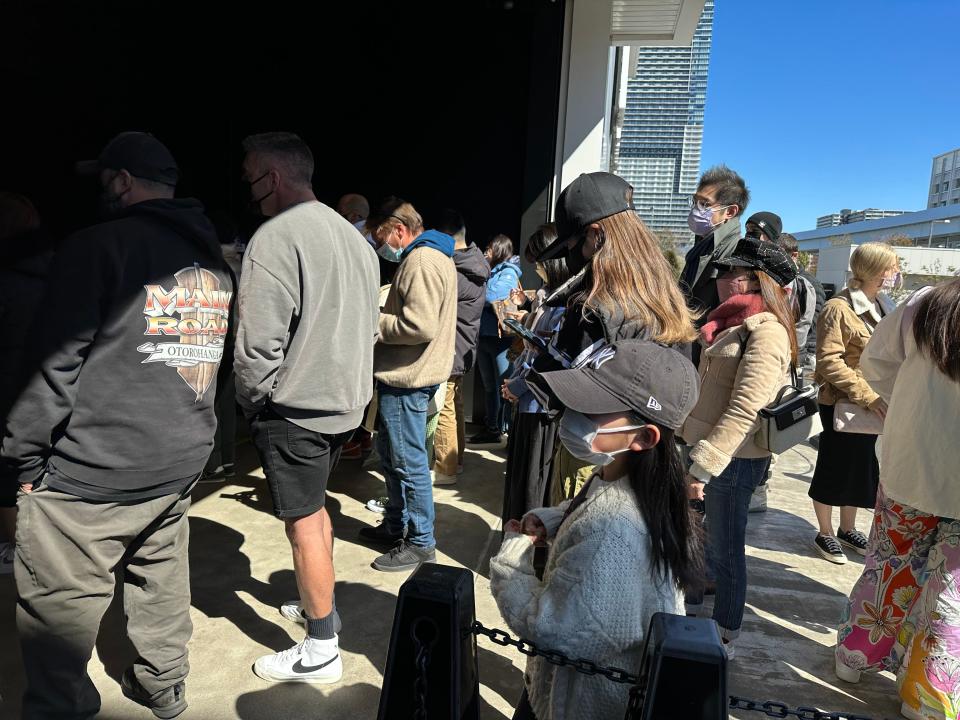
(889, 283)
(577, 433)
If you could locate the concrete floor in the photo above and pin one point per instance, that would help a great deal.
(241, 571)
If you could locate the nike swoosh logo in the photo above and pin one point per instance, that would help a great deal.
(299, 667)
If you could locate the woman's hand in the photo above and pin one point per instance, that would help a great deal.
(507, 394)
(512, 526)
(694, 488)
(532, 525)
(879, 407)
(518, 297)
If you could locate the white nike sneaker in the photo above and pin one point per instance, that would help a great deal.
(293, 611)
(311, 661)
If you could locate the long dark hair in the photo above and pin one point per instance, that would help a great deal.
(936, 328)
(659, 484)
(501, 250)
(556, 269)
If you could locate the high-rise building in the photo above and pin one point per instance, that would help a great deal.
(945, 180)
(659, 131)
(845, 216)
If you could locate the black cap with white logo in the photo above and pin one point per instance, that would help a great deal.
(653, 381)
(591, 197)
(140, 154)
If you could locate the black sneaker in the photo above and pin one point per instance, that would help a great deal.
(829, 547)
(854, 539)
(404, 557)
(165, 704)
(486, 437)
(380, 535)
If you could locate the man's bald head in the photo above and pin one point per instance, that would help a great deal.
(353, 207)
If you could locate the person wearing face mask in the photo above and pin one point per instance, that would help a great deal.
(847, 473)
(621, 288)
(303, 362)
(715, 211)
(415, 353)
(530, 448)
(110, 432)
(624, 548)
(749, 345)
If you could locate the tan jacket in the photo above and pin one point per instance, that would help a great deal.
(843, 329)
(418, 323)
(740, 373)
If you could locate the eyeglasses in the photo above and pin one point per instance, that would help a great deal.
(695, 203)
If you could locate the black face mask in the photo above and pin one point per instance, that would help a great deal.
(575, 259)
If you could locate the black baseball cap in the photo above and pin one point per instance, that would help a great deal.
(140, 154)
(762, 255)
(769, 223)
(591, 197)
(640, 376)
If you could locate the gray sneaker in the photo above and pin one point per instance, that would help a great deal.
(165, 704)
(404, 557)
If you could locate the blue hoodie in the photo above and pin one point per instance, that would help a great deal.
(504, 278)
(434, 239)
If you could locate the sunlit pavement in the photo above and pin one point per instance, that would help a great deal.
(241, 571)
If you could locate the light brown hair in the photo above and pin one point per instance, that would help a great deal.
(394, 211)
(936, 328)
(631, 275)
(775, 301)
(869, 261)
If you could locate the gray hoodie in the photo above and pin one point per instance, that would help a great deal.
(308, 320)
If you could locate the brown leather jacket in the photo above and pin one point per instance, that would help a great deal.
(843, 330)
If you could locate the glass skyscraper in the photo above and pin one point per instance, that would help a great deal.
(661, 128)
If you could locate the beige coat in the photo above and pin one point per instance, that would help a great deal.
(843, 329)
(418, 323)
(740, 373)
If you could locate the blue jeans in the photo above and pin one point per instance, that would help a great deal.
(494, 369)
(402, 445)
(727, 501)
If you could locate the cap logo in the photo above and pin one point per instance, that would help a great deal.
(601, 356)
(652, 404)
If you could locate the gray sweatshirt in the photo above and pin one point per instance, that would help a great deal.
(308, 320)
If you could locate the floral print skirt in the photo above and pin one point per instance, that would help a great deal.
(903, 614)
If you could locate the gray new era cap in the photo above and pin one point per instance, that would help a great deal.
(653, 381)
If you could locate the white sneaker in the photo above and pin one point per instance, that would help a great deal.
(847, 674)
(293, 611)
(378, 505)
(311, 661)
(6, 558)
(730, 649)
(440, 478)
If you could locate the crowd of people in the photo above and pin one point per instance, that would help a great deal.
(631, 400)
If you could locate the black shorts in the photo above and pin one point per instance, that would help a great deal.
(296, 461)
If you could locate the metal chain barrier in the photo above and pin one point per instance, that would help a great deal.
(769, 708)
(423, 648)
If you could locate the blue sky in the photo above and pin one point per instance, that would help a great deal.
(824, 105)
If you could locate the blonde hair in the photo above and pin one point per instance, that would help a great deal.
(632, 275)
(869, 261)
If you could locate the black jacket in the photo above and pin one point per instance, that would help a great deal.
(810, 349)
(472, 273)
(123, 358)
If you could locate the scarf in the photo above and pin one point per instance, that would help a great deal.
(730, 314)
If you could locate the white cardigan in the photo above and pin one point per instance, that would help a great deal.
(595, 602)
(918, 456)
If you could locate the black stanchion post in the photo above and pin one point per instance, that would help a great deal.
(684, 671)
(431, 671)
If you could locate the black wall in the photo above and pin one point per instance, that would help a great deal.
(444, 103)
